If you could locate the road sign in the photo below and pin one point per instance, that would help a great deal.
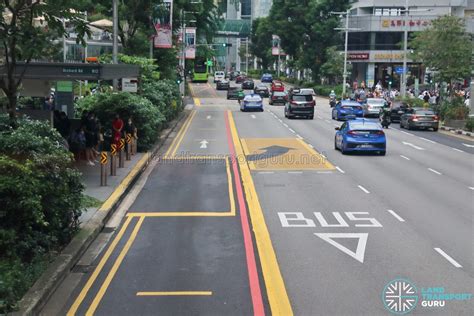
(103, 158)
(122, 143)
(113, 149)
(399, 70)
(129, 138)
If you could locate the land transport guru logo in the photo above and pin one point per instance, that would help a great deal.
(400, 296)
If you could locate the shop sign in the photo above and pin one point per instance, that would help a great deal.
(391, 56)
(357, 56)
(401, 22)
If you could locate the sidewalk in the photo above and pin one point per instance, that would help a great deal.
(91, 179)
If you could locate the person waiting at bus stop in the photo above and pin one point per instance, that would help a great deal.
(117, 126)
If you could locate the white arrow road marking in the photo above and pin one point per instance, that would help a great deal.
(204, 143)
(414, 146)
(253, 116)
(447, 257)
(360, 251)
(467, 145)
(208, 117)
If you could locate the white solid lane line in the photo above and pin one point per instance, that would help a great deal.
(396, 215)
(363, 189)
(404, 157)
(284, 124)
(324, 172)
(445, 255)
(458, 150)
(266, 172)
(434, 171)
(292, 130)
(407, 133)
(340, 170)
(295, 172)
(428, 140)
(299, 136)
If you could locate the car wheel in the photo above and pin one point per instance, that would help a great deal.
(409, 127)
(311, 117)
(286, 114)
(401, 124)
(382, 153)
(335, 144)
(343, 150)
(435, 129)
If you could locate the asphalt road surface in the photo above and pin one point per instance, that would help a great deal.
(252, 213)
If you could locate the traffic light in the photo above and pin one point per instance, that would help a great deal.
(227, 44)
(178, 79)
(429, 78)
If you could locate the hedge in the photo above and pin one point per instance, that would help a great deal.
(40, 194)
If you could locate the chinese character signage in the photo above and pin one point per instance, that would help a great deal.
(163, 23)
(401, 22)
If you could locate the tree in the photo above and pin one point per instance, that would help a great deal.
(445, 47)
(27, 29)
(261, 39)
(333, 68)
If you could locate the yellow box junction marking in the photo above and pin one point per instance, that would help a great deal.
(282, 154)
(179, 137)
(182, 293)
(231, 212)
(275, 286)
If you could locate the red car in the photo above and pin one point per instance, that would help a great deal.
(240, 78)
(277, 86)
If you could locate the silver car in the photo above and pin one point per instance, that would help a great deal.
(373, 106)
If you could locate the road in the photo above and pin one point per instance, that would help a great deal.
(252, 213)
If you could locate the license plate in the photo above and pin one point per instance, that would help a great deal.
(425, 124)
(365, 146)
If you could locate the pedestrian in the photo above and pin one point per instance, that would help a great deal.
(91, 138)
(117, 126)
(77, 142)
(64, 125)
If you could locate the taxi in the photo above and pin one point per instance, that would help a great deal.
(252, 102)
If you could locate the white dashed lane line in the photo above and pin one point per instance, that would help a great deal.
(404, 157)
(407, 133)
(447, 257)
(396, 215)
(299, 136)
(295, 172)
(471, 188)
(428, 140)
(434, 171)
(292, 130)
(363, 189)
(279, 120)
(311, 146)
(284, 124)
(340, 170)
(265, 172)
(458, 150)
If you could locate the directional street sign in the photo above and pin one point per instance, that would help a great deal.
(122, 143)
(103, 157)
(113, 149)
(129, 138)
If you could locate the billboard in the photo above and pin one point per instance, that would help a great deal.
(163, 23)
(190, 35)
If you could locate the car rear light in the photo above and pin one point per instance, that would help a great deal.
(294, 103)
(436, 118)
(351, 133)
(380, 133)
(312, 103)
(414, 118)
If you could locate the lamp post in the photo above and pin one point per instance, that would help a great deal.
(114, 38)
(403, 82)
(346, 29)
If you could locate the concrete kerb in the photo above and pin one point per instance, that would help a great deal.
(457, 131)
(37, 296)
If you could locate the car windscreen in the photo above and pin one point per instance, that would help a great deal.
(364, 127)
(424, 112)
(279, 94)
(301, 98)
(376, 102)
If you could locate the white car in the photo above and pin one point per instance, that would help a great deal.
(218, 76)
(373, 106)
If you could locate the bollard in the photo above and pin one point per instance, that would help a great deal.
(121, 148)
(113, 159)
(129, 147)
(103, 169)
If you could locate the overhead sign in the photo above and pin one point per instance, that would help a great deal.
(130, 85)
(190, 34)
(163, 23)
(283, 154)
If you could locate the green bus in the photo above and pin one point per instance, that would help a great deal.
(200, 72)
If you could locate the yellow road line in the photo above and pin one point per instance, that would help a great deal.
(326, 163)
(115, 196)
(72, 311)
(231, 188)
(182, 293)
(246, 151)
(197, 101)
(175, 144)
(180, 214)
(114, 268)
(275, 286)
(173, 153)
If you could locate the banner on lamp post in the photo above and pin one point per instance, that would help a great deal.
(190, 35)
(163, 23)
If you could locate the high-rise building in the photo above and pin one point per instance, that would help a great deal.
(376, 48)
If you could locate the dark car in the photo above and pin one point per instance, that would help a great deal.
(222, 85)
(248, 84)
(235, 93)
(262, 90)
(419, 118)
(397, 110)
(240, 78)
(267, 78)
(233, 74)
(299, 105)
(278, 97)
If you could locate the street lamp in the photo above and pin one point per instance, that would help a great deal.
(346, 29)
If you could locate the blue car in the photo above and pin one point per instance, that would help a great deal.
(360, 135)
(267, 78)
(347, 109)
(252, 102)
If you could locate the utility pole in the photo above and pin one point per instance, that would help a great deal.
(403, 83)
(278, 66)
(115, 38)
(183, 51)
(247, 55)
(64, 42)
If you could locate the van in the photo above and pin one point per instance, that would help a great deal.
(218, 76)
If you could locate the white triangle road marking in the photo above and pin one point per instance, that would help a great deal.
(362, 242)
